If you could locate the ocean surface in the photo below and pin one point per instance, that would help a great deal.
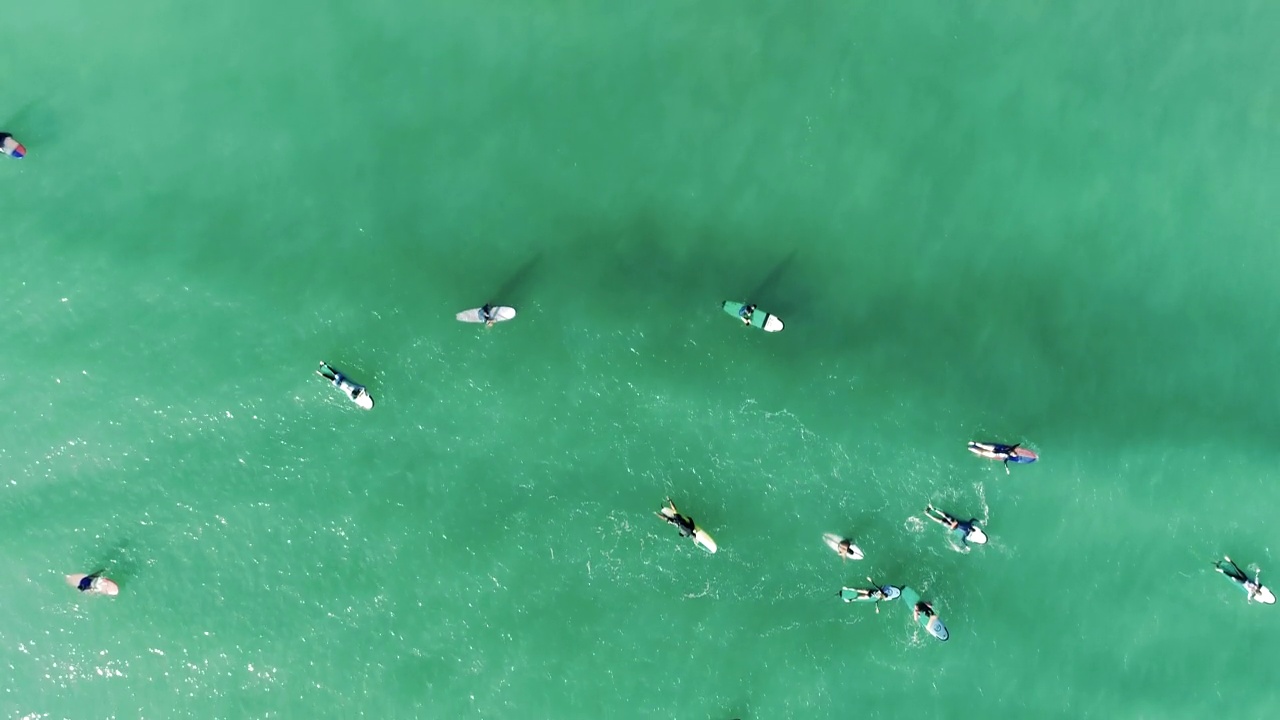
(1035, 222)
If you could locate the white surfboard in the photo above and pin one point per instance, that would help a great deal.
(501, 313)
(833, 541)
(364, 400)
(976, 536)
(701, 537)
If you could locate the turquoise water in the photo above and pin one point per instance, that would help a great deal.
(1040, 223)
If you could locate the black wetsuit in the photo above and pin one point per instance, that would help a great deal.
(684, 523)
(86, 583)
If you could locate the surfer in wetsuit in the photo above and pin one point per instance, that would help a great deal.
(1233, 571)
(746, 312)
(685, 524)
(340, 381)
(921, 607)
(487, 315)
(87, 582)
(964, 527)
(1005, 453)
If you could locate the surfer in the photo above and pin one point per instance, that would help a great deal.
(746, 312)
(685, 524)
(875, 594)
(93, 584)
(11, 147)
(921, 607)
(848, 550)
(966, 529)
(358, 394)
(1004, 453)
(88, 581)
(1252, 588)
(487, 315)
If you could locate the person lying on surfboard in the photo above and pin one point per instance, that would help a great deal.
(358, 394)
(875, 593)
(1252, 588)
(1004, 453)
(966, 529)
(685, 524)
(746, 313)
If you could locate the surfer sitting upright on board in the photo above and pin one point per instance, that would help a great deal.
(848, 550)
(746, 313)
(921, 607)
(486, 314)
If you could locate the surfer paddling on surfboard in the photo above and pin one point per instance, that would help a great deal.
(967, 530)
(94, 584)
(356, 393)
(1004, 453)
(688, 528)
(877, 594)
(1252, 588)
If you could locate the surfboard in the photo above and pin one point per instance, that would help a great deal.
(976, 537)
(101, 585)
(759, 318)
(849, 594)
(931, 623)
(500, 314)
(700, 537)
(833, 541)
(364, 400)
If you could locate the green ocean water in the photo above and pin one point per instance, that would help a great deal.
(1033, 222)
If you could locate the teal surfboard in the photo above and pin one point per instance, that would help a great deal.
(932, 625)
(759, 318)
